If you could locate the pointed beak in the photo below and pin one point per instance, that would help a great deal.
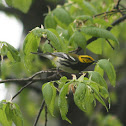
(94, 61)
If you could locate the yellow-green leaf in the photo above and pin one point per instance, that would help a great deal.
(100, 33)
(109, 69)
(22, 5)
(62, 102)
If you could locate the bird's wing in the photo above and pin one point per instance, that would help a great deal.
(65, 56)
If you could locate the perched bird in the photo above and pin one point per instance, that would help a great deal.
(71, 63)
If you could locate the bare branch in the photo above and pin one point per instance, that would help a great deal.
(50, 78)
(22, 89)
(31, 78)
(46, 115)
(117, 5)
(110, 44)
(41, 108)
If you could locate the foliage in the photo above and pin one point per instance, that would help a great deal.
(22, 5)
(10, 112)
(108, 120)
(67, 28)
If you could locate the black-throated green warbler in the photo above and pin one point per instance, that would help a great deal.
(71, 63)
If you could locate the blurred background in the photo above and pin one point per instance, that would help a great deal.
(14, 26)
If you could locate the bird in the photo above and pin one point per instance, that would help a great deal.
(68, 62)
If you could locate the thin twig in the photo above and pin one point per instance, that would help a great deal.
(110, 44)
(117, 5)
(116, 22)
(22, 89)
(47, 78)
(30, 78)
(108, 12)
(51, 45)
(41, 108)
(46, 115)
(122, 6)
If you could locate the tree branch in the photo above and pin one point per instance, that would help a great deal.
(22, 89)
(50, 78)
(117, 5)
(54, 76)
(116, 22)
(41, 108)
(46, 115)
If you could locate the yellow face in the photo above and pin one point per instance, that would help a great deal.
(85, 59)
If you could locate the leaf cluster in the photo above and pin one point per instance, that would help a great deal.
(85, 90)
(10, 113)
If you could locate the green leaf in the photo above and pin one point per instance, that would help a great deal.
(98, 97)
(96, 46)
(101, 33)
(88, 7)
(22, 5)
(101, 22)
(47, 47)
(17, 115)
(83, 97)
(78, 39)
(96, 77)
(32, 40)
(3, 118)
(103, 92)
(8, 111)
(55, 39)
(84, 17)
(62, 102)
(62, 81)
(99, 70)
(13, 113)
(63, 32)
(31, 44)
(50, 34)
(62, 17)
(111, 120)
(81, 78)
(89, 99)
(109, 69)
(79, 96)
(10, 51)
(49, 21)
(49, 94)
(71, 28)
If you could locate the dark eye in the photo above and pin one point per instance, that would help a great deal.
(88, 58)
(82, 58)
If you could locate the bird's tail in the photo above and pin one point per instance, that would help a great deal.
(46, 55)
